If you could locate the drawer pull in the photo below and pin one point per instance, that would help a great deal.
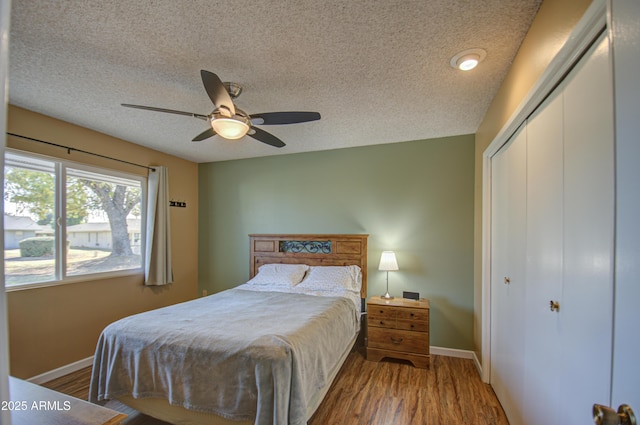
(381, 311)
(381, 322)
(397, 340)
(411, 326)
(411, 314)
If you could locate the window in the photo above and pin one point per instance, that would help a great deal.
(63, 220)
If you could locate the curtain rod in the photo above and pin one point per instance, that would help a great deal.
(69, 149)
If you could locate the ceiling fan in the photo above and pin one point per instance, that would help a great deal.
(231, 122)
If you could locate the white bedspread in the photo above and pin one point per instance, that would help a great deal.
(241, 354)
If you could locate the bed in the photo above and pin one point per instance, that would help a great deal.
(264, 352)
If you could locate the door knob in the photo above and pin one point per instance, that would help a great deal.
(507, 280)
(554, 305)
(604, 415)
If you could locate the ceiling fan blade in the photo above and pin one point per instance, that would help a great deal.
(264, 137)
(204, 135)
(274, 118)
(216, 91)
(169, 111)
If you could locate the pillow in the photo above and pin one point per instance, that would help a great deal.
(279, 274)
(329, 278)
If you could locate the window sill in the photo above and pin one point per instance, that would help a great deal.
(75, 279)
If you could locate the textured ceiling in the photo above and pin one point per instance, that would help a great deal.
(377, 71)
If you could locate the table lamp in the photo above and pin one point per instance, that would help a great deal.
(388, 263)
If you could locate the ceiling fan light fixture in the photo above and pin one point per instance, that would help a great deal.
(229, 121)
(230, 127)
(468, 59)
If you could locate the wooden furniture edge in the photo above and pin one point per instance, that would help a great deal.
(33, 404)
(418, 360)
(400, 302)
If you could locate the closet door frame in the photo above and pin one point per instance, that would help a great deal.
(592, 24)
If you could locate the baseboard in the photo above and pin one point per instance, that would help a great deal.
(478, 364)
(451, 352)
(61, 371)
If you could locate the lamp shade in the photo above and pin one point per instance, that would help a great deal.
(388, 261)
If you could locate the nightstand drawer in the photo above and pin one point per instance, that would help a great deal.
(412, 314)
(399, 340)
(382, 313)
(381, 323)
(411, 325)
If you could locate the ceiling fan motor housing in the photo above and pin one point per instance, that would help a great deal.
(234, 89)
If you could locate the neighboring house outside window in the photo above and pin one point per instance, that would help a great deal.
(64, 220)
(17, 228)
(98, 235)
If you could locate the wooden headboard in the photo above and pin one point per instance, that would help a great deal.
(313, 250)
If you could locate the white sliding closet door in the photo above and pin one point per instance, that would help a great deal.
(542, 367)
(587, 299)
(508, 280)
(626, 49)
(553, 235)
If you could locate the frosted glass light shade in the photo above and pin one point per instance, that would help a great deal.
(229, 128)
(388, 261)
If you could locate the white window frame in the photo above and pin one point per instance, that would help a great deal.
(60, 228)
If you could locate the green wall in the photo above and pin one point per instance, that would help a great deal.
(415, 198)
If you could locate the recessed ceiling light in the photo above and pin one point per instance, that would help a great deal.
(468, 59)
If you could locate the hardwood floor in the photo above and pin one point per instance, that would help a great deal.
(374, 393)
(394, 392)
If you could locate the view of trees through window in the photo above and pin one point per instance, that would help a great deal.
(65, 220)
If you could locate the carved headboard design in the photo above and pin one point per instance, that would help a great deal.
(310, 249)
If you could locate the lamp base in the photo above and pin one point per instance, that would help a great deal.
(387, 296)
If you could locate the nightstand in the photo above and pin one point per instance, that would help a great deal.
(398, 328)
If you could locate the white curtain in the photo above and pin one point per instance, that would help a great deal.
(157, 265)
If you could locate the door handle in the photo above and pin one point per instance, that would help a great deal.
(604, 415)
(554, 305)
